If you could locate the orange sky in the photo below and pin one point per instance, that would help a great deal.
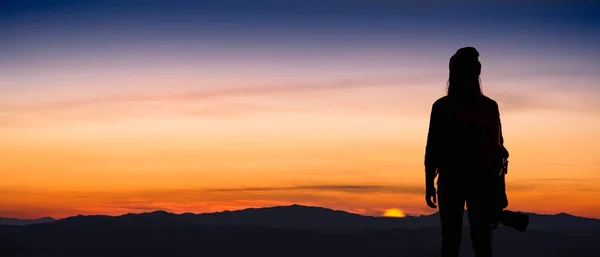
(316, 146)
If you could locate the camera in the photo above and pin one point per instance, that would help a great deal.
(516, 220)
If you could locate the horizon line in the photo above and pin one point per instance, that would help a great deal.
(275, 206)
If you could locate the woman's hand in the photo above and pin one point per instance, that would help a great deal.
(431, 197)
(430, 194)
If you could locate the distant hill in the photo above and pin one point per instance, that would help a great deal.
(319, 218)
(306, 217)
(20, 222)
(282, 231)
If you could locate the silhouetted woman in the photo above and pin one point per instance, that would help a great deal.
(463, 144)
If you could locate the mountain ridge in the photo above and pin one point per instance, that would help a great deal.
(21, 222)
(279, 206)
(297, 216)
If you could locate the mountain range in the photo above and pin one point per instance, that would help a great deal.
(293, 230)
(308, 217)
(15, 221)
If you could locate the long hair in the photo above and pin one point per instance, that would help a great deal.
(465, 69)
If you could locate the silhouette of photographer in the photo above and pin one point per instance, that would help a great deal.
(465, 151)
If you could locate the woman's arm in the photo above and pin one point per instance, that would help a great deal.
(501, 137)
(432, 148)
(432, 152)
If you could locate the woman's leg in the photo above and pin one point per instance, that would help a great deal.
(451, 202)
(480, 220)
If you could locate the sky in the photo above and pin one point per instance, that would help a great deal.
(114, 107)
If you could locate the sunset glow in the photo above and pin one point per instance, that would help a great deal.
(394, 213)
(206, 107)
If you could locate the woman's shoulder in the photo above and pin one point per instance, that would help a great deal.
(441, 101)
(447, 100)
(489, 101)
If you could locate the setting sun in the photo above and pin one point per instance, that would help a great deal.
(396, 213)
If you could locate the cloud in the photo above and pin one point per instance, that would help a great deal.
(567, 179)
(547, 99)
(213, 103)
(514, 101)
(236, 109)
(212, 94)
(521, 187)
(553, 184)
(346, 188)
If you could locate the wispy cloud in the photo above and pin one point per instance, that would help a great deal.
(346, 188)
(211, 94)
(508, 100)
(232, 109)
(553, 184)
(545, 100)
(521, 187)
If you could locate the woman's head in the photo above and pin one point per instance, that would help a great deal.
(465, 69)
